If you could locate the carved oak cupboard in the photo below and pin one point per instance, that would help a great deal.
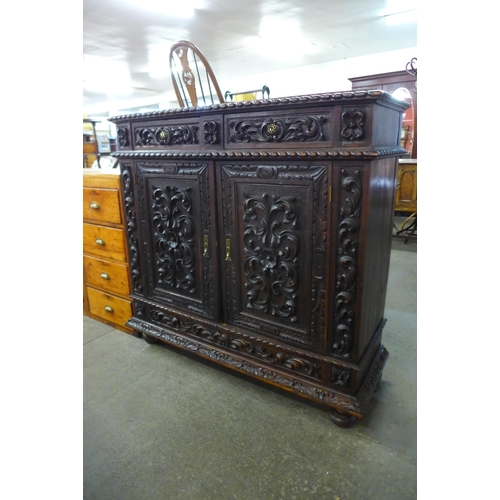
(259, 237)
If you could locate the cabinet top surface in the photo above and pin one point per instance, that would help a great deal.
(322, 100)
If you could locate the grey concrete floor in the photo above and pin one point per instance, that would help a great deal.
(159, 424)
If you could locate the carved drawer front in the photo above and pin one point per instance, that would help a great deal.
(101, 205)
(106, 275)
(180, 236)
(275, 249)
(109, 307)
(161, 135)
(104, 241)
(277, 129)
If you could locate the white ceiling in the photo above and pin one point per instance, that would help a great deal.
(121, 35)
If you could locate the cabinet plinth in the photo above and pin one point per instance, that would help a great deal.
(259, 237)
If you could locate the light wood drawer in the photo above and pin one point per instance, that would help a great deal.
(106, 275)
(101, 205)
(104, 241)
(109, 307)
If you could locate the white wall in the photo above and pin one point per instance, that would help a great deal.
(324, 77)
(312, 79)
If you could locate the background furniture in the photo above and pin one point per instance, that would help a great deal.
(247, 95)
(259, 235)
(406, 187)
(90, 145)
(390, 82)
(106, 286)
(97, 147)
(193, 79)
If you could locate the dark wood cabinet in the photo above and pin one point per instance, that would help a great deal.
(259, 237)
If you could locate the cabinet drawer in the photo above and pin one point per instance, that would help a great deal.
(101, 205)
(109, 307)
(104, 241)
(108, 276)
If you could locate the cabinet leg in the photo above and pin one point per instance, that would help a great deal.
(341, 419)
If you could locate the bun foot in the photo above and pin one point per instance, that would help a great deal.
(149, 339)
(341, 419)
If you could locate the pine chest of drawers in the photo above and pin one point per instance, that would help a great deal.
(260, 235)
(106, 285)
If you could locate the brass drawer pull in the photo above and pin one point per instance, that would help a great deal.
(105, 276)
(100, 242)
(94, 205)
(108, 309)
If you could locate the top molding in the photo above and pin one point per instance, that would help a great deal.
(376, 95)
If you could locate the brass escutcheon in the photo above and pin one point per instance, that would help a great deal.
(271, 128)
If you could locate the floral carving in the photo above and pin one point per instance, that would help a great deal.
(174, 237)
(271, 248)
(211, 132)
(352, 125)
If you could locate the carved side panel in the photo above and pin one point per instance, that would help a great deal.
(178, 234)
(347, 259)
(131, 227)
(275, 239)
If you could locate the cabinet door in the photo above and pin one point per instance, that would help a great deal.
(274, 240)
(178, 234)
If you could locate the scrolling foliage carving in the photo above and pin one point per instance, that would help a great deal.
(166, 136)
(173, 237)
(302, 129)
(348, 234)
(271, 255)
(131, 220)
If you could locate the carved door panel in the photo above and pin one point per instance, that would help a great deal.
(178, 234)
(274, 221)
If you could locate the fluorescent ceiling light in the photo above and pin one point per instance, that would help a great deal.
(281, 39)
(401, 17)
(183, 8)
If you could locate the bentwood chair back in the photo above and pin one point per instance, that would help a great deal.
(193, 79)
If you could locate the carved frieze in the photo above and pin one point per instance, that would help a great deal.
(232, 341)
(300, 129)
